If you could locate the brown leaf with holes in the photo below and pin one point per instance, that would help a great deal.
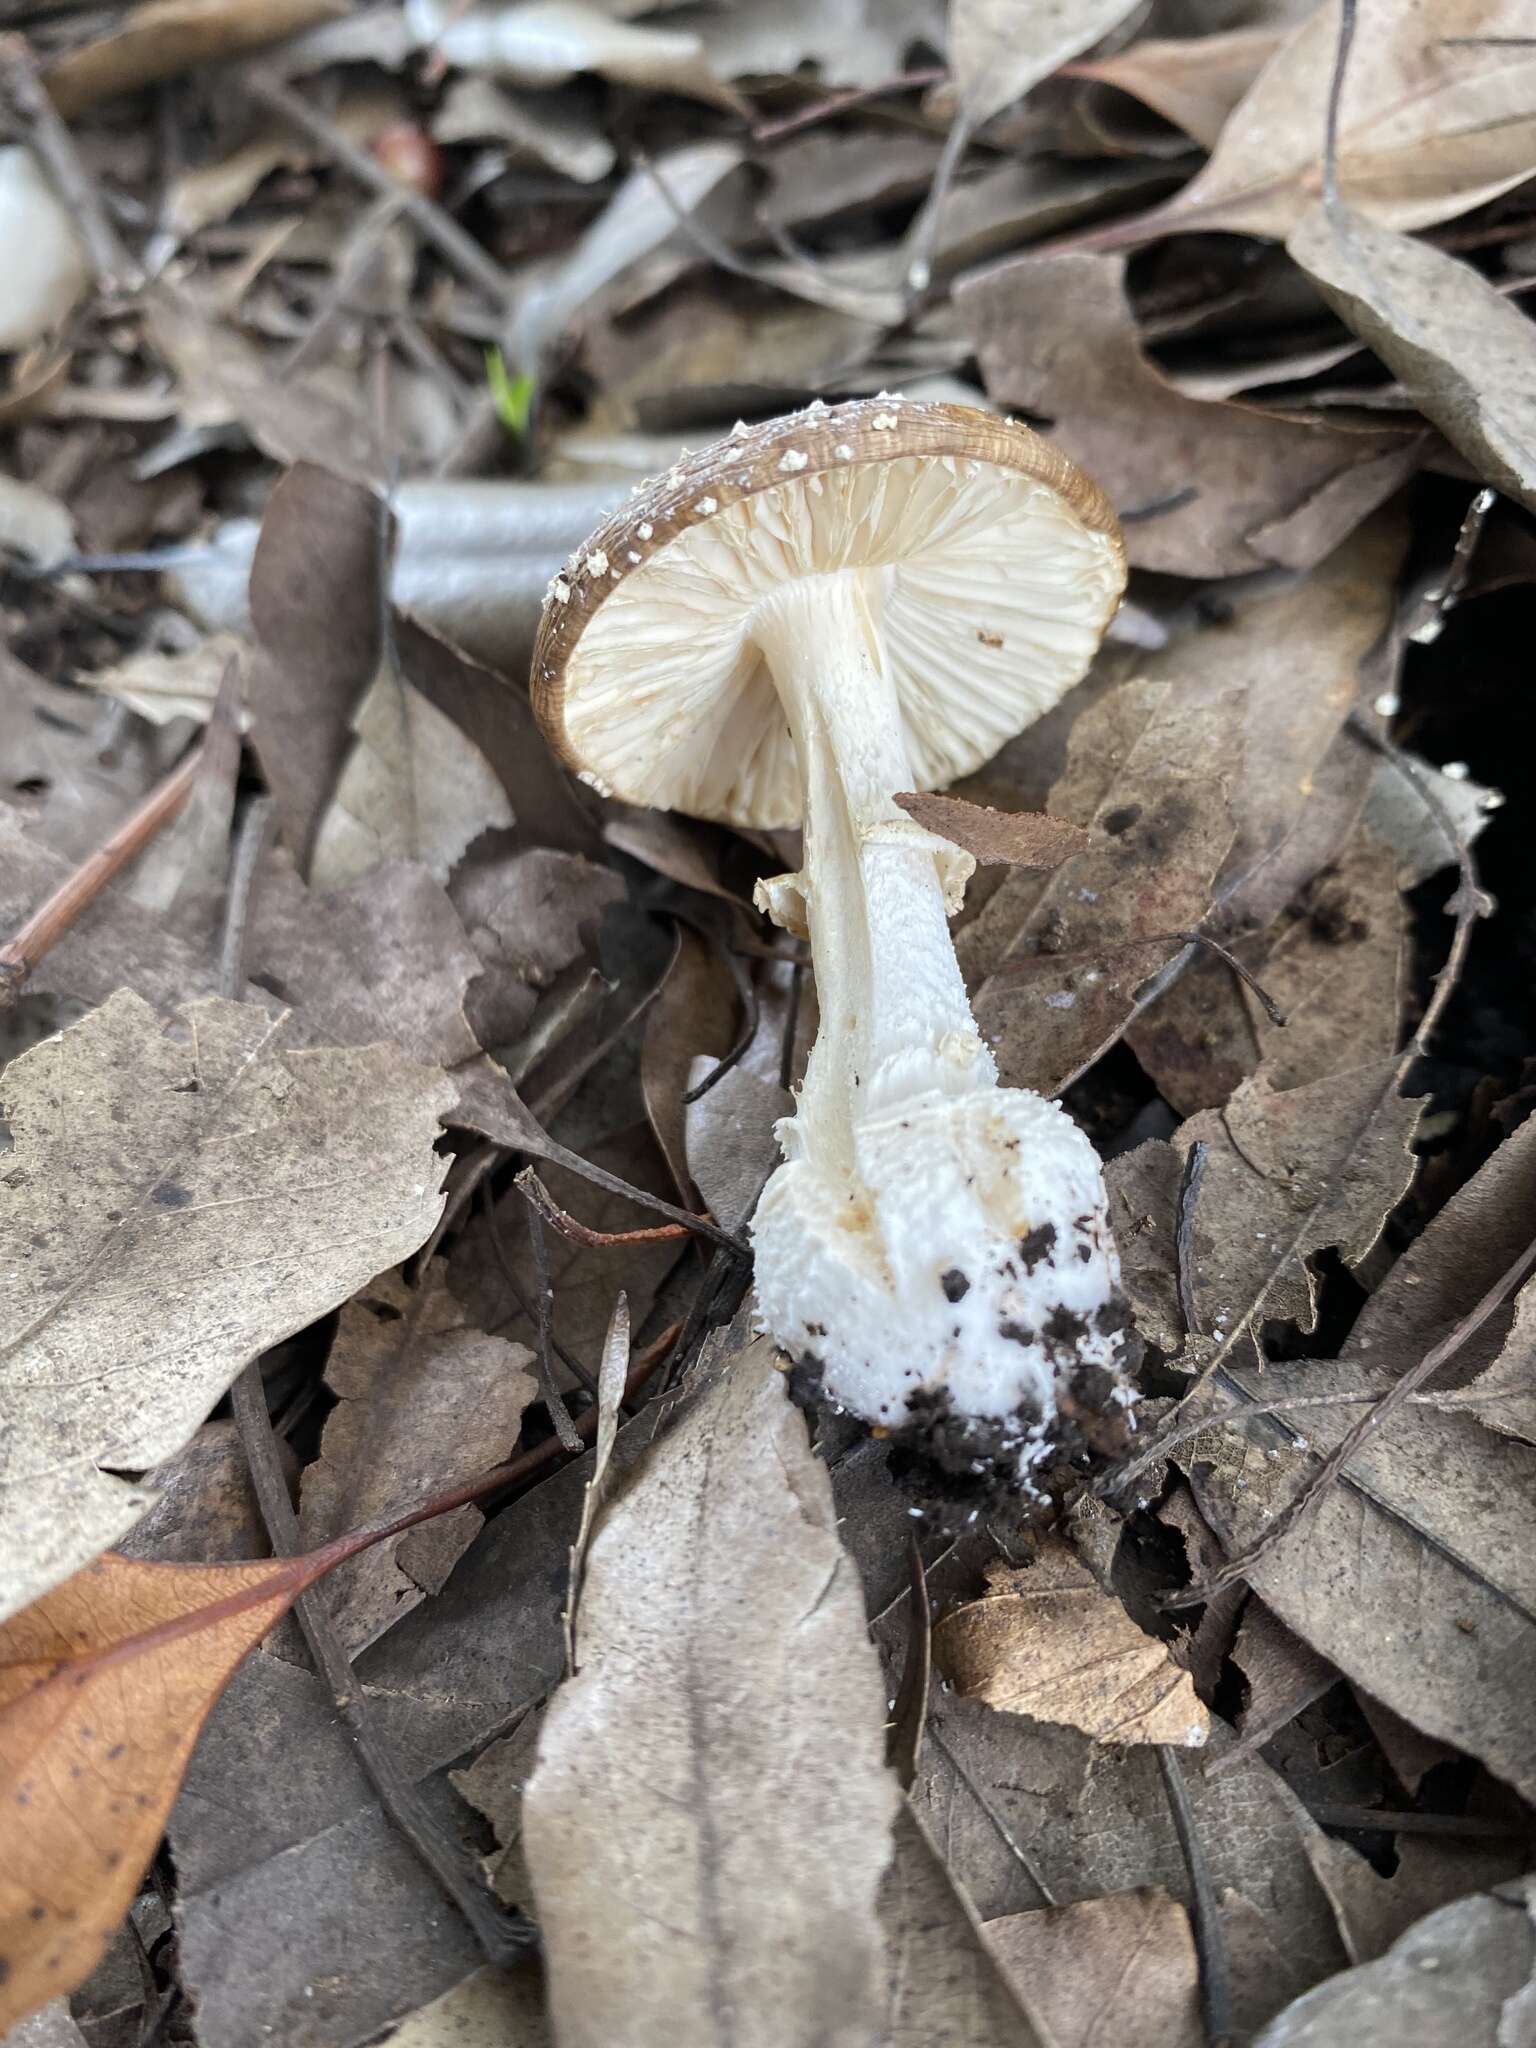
(1019, 839)
(106, 1682)
(1049, 1642)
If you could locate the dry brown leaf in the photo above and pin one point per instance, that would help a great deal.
(1206, 488)
(1194, 82)
(1020, 839)
(1465, 1977)
(530, 913)
(710, 1814)
(1118, 1968)
(1049, 1642)
(1413, 1574)
(998, 49)
(174, 1204)
(317, 605)
(1057, 961)
(491, 2009)
(222, 380)
(162, 38)
(1438, 115)
(945, 1987)
(1464, 354)
(1503, 1395)
(95, 1732)
(693, 1016)
(424, 1402)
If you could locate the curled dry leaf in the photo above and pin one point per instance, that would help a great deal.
(1122, 1967)
(1206, 488)
(1020, 839)
(45, 266)
(1438, 115)
(1195, 81)
(1049, 1642)
(710, 1814)
(162, 38)
(166, 1216)
(106, 1683)
(1463, 353)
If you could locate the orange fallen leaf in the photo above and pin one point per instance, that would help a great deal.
(105, 1684)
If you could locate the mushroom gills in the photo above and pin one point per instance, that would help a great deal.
(936, 1244)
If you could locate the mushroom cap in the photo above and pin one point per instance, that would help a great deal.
(1000, 564)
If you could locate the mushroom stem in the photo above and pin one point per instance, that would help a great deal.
(896, 1024)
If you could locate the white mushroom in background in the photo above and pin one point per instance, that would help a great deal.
(792, 626)
(45, 267)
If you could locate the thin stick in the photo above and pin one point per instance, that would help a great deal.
(1341, 52)
(24, 952)
(573, 1231)
(1210, 1949)
(250, 844)
(503, 1259)
(559, 1414)
(840, 102)
(116, 271)
(1184, 1236)
(453, 244)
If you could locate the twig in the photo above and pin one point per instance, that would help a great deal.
(684, 1223)
(1341, 50)
(1184, 1236)
(250, 844)
(503, 1937)
(924, 233)
(1290, 1516)
(840, 102)
(909, 1718)
(1210, 1949)
(503, 1259)
(575, 1232)
(23, 953)
(1262, 996)
(439, 228)
(559, 1414)
(1442, 596)
(116, 271)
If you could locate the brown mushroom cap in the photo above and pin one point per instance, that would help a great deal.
(1002, 561)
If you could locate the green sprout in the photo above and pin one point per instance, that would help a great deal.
(512, 396)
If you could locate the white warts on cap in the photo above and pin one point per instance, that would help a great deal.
(793, 459)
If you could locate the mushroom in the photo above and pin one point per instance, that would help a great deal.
(790, 627)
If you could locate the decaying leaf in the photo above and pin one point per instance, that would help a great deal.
(1411, 1574)
(46, 270)
(317, 604)
(1193, 81)
(1118, 1968)
(1503, 1395)
(1438, 114)
(724, 1853)
(945, 1985)
(95, 1732)
(1049, 1642)
(425, 1402)
(1463, 353)
(1466, 1975)
(1020, 839)
(173, 1204)
(1205, 489)
(491, 2009)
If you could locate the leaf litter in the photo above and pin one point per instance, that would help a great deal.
(1254, 899)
